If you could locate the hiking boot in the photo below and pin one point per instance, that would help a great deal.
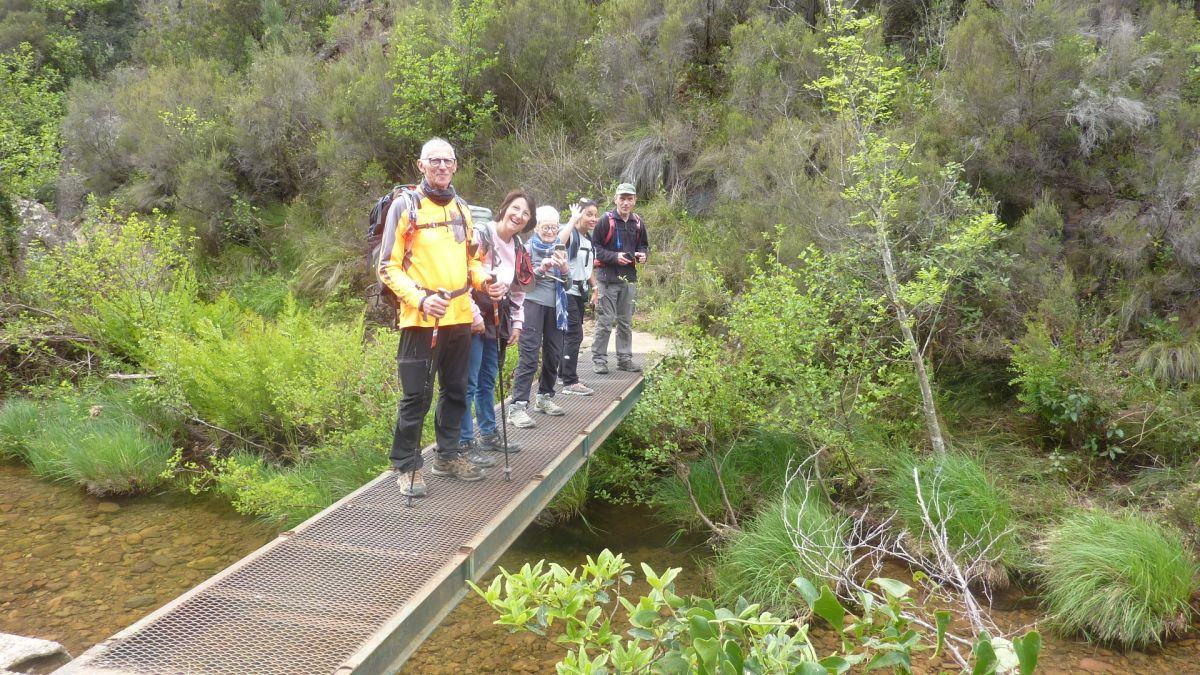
(546, 404)
(492, 443)
(578, 389)
(458, 468)
(518, 417)
(629, 367)
(600, 367)
(417, 480)
(476, 457)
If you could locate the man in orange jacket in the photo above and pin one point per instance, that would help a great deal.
(425, 262)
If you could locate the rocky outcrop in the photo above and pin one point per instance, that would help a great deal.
(38, 226)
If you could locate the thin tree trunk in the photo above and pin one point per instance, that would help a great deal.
(928, 405)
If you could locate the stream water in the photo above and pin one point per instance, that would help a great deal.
(76, 570)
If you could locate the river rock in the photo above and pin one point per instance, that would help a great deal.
(108, 507)
(111, 556)
(5, 508)
(15, 649)
(133, 539)
(139, 601)
(99, 531)
(64, 518)
(1095, 666)
(161, 559)
(43, 551)
(206, 563)
(142, 566)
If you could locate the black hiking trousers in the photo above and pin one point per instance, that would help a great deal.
(451, 359)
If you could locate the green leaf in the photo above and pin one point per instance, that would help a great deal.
(890, 660)
(896, 589)
(836, 664)
(709, 651)
(673, 664)
(943, 622)
(811, 668)
(733, 652)
(829, 608)
(1028, 647)
(644, 618)
(985, 656)
(700, 628)
(807, 590)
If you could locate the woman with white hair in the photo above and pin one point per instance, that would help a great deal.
(545, 322)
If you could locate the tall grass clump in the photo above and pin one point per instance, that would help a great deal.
(976, 514)
(673, 504)
(19, 420)
(115, 456)
(1118, 578)
(569, 503)
(760, 562)
(99, 441)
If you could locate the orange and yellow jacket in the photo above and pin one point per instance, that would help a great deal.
(416, 261)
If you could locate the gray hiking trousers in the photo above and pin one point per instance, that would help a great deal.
(615, 301)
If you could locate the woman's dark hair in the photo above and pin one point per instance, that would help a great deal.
(512, 197)
(584, 202)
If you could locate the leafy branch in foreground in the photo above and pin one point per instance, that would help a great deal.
(672, 634)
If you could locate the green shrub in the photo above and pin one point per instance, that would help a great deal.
(1117, 578)
(293, 380)
(760, 562)
(289, 495)
(962, 498)
(19, 422)
(569, 503)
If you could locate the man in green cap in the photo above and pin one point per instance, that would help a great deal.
(620, 243)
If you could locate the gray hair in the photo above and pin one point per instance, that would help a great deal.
(435, 142)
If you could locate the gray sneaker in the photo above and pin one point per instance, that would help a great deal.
(458, 468)
(546, 404)
(518, 417)
(578, 389)
(412, 483)
(629, 366)
(600, 367)
(474, 456)
(493, 443)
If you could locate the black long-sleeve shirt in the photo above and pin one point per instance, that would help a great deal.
(632, 238)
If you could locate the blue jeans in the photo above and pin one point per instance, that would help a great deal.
(481, 388)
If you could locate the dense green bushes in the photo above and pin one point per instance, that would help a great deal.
(1119, 578)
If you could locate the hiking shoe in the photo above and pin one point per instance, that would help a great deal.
(629, 366)
(458, 468)
(599, 367)
(417, 480)
(546, 404)
(518, 417)
(476, 457)
(492, 443)
(578, 389)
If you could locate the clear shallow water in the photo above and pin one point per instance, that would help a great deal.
(76, 570)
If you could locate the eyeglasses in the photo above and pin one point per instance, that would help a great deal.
(440, 161)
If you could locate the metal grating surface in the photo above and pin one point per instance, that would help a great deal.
(307, 601)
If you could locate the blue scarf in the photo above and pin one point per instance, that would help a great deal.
(560, 294)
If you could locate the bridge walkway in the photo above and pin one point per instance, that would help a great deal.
(357, 587)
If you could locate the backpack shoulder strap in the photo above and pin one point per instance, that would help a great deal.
(612, 223)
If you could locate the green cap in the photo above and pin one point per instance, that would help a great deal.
(626, 189)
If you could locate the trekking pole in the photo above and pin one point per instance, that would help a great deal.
(500, 377)
(437, 320)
